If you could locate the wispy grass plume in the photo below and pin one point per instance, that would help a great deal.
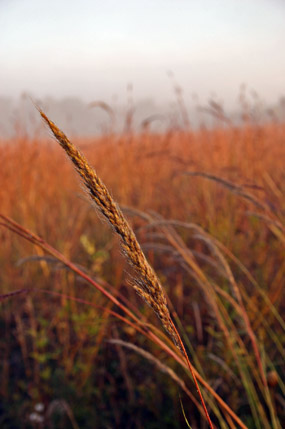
(147, 284)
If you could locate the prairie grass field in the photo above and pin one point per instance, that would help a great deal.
(208, 209)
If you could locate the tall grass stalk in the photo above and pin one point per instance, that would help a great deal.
(147, 284)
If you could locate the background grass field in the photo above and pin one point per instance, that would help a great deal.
(230, 182)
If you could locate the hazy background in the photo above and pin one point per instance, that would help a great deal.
(69, 53)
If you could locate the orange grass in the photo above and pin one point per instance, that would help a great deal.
(147, 172)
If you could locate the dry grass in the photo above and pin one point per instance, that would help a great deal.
(218, 245)
(147, 284)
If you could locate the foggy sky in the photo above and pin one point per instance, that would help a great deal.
(93, 49)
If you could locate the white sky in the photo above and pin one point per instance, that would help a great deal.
(93, 48)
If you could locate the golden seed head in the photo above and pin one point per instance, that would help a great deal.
(147, 284)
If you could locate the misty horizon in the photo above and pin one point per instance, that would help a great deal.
(62, 49)
(79, 118)
(66, 54)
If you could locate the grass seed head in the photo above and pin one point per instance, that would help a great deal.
(147, 285)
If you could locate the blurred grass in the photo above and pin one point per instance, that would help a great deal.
(53, 348)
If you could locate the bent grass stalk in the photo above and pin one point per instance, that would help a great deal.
(137, 324)
(146, 283)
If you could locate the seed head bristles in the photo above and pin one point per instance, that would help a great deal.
(146, 284)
